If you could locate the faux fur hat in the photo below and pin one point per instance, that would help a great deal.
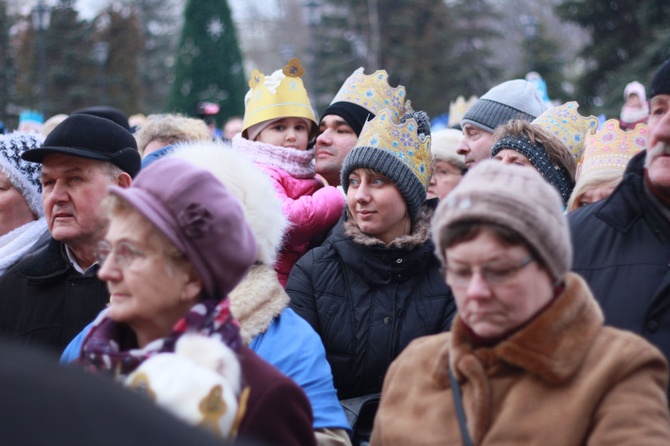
(246, 182)
(23, 175)
(515, 197)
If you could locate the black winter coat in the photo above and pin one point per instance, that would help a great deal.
(45, 302)
(622, 248)
(367, 301)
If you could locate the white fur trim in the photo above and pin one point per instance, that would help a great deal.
(250, 185)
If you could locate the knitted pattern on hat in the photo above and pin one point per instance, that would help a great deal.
(515, 99)
(24, 175)
(552, 173)
(297, 163)
(400, 152)
(660, 84)
(514, 197)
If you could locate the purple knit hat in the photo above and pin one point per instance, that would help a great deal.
(195, 211)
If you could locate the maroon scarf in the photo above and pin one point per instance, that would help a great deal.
(112, 347)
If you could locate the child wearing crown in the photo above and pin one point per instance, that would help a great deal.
(279, 125)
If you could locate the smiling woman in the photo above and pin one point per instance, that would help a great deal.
(374, 284)
(527, 357)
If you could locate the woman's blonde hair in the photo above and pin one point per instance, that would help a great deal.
(595, 179)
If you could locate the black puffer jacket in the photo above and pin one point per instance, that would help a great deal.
(622, 248)
(367, 300)
(45, 302)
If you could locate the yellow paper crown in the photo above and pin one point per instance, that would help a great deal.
(289, 98)
(372, 92)
(564, 122)
(611, 147)
(402, 141)
(458, 108)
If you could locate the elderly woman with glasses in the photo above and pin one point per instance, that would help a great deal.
(173, 252)
(528, 359)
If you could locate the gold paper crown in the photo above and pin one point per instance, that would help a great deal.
(288, 99)
(611, 147)
(564, 122)
(458, 108)
(372, 92)
(402, 141)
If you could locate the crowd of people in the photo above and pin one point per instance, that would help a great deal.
(345, 277)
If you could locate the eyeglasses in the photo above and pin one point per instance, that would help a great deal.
(124, 254)
(492, 273)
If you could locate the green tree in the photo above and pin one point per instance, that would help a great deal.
(209, 61)
(118, 78)
(542, 54)
(70, 68)
(470, 56)
(629, 39)
(437, 50)
(160, 34)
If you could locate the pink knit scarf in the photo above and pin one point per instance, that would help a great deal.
(297, 163)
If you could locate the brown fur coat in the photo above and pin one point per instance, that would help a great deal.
(564, 379)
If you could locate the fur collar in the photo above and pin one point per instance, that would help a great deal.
(420, 231)
(257, 300)
(552, 347)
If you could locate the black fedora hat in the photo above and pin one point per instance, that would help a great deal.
(88, 136)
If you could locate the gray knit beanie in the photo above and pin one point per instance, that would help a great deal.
(515, 99)
(515, 197)
(399, 152)
(24, 175)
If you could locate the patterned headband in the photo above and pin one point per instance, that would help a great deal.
(554, 174)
